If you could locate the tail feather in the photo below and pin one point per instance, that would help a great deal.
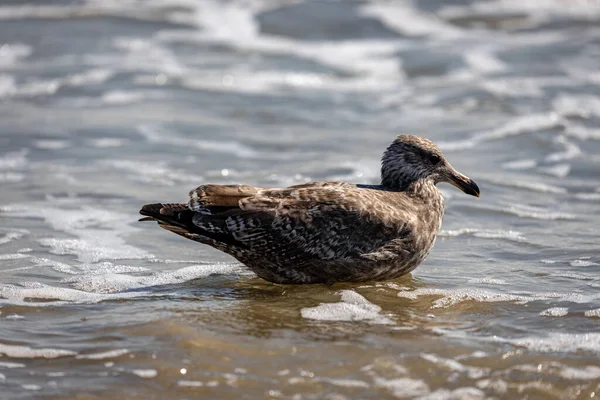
(179, 219)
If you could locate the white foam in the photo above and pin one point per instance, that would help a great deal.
(348, 383)
(113, 282)
(536, 12)
(108, 267)
(95, 246)
(169, 261)
(523, 124)
(120, 97)
(97, 230)
(526, 211)
(373, 64)
(475, 354)
(592, 313)
(403, 387)
(106, 143)
(405, 18)
(464, 393)
(571, 150)
(13, 53)
(484, 61)
(103, 355)
(583, 106)
(353, 307)
(7, 86)
(55, 265)
(485, 233)
(558, 170)
(93, 76)
(157, 134)
(148, 55)
(488, 281)
(156, 173)
(186, 383)
(267, 81)
(21, 11)
(11, 177)
(587, 373)
(6, 364)
(529, 185)
(555, 312)
(14, 351)
(587, 196)
(55, 295)
(451, 297)
(31, 386)
(581, 131)
(49, 144)
(497, 385)
(514, 127)
(227, 21)
(14, 316)
(14, 160)
(145, 373)
(520, 164)
(582, 263)
(13, 256)
(38, 87)
(560, 342)
(452, 365)
(514, 87)
(10, 236)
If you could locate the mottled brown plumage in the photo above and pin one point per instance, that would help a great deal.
(325, 231)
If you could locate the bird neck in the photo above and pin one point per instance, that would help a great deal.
(431, 203)
(426, 193)
(416, 187)
(424, 189)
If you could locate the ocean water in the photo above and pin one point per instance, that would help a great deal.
(106, 105)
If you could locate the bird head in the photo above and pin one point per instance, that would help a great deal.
(412, 158)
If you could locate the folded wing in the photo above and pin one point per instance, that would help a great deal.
(303, 223)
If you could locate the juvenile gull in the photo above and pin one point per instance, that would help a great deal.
(325, 231)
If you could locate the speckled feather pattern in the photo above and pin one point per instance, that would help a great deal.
(320, 232)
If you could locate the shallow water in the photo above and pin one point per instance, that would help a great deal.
(108, 105)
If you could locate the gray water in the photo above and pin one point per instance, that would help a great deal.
(108, 105)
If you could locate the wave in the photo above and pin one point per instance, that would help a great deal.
(451, 297)
(485, 233)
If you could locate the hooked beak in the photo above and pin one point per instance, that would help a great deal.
(464, 183)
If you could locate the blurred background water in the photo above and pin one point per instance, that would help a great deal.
(106, 105)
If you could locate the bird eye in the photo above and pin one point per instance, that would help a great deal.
(434, 159)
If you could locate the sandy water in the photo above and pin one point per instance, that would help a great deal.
(107, 105)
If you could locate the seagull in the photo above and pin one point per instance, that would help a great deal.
(325, 232)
